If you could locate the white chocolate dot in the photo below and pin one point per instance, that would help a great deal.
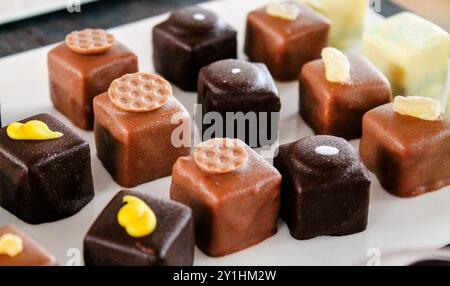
(327, 150)
(236, 71)
(199, 17)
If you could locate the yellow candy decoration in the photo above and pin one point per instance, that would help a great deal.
(32, 130)
(136, 217)
(11, 245)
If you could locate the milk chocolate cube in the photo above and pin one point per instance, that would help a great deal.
(337, 109)
(412, 52)
(137, 147)
(107, 243)
(325, 188)
(75, 79)
(45, 181)
(232, 211)
(410, 156)
(190, 39)
(347, 17)
(32, 254)
(286, 45)
(233, 87)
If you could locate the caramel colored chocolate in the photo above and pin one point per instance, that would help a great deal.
(32, 254)
(75, 79)
(171, 243)
(337, 109)
(45, 181)
(285, 45)
(136, 147)
(232, 211)
(190, 39)
(325, 187)
(90, 41)
(410, 156)
(236, 86)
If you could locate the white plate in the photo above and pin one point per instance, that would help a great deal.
(13, 10)
(395, 224)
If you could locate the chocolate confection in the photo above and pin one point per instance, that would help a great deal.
(137, 147)
(75, 78)
(31, 254)
(235, 86)
(46, 180)
(171, 243)
(325, 187)
(333, 108)
(285, 45)
(411, 51)
(410, 156)
(190, 39)
(234, 208)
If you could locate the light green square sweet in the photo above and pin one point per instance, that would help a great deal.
(347, 19)
(412, 52)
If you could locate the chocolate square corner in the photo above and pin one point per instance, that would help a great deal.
(171, 244)
(28, 185)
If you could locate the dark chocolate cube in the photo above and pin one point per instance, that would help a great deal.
(325, 187)
(410, 156)
(232, 88)
(190, 39)
(75, 79)
(285, 45)
(171, 244)
(45, 181)
(337, 109)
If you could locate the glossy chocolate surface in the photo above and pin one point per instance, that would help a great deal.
(45, 181)
(171, 244)
(337, 109)
(285, 45)
(190, 39)
(240, 86)
(325, 188)
(136, 147)
(32, 254)
(410, 156)
(76, 79)
(232, 211)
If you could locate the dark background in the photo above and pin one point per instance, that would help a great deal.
(51, 28)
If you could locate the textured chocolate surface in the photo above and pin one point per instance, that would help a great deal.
(232, 211)
(32, 254)
(171, 244)
(410, 156)
(76, 79)
(136, 147)
(44, 181)
(190, 39)
(337, 109)
(240, 86)
(284, 45)
(325, 189)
